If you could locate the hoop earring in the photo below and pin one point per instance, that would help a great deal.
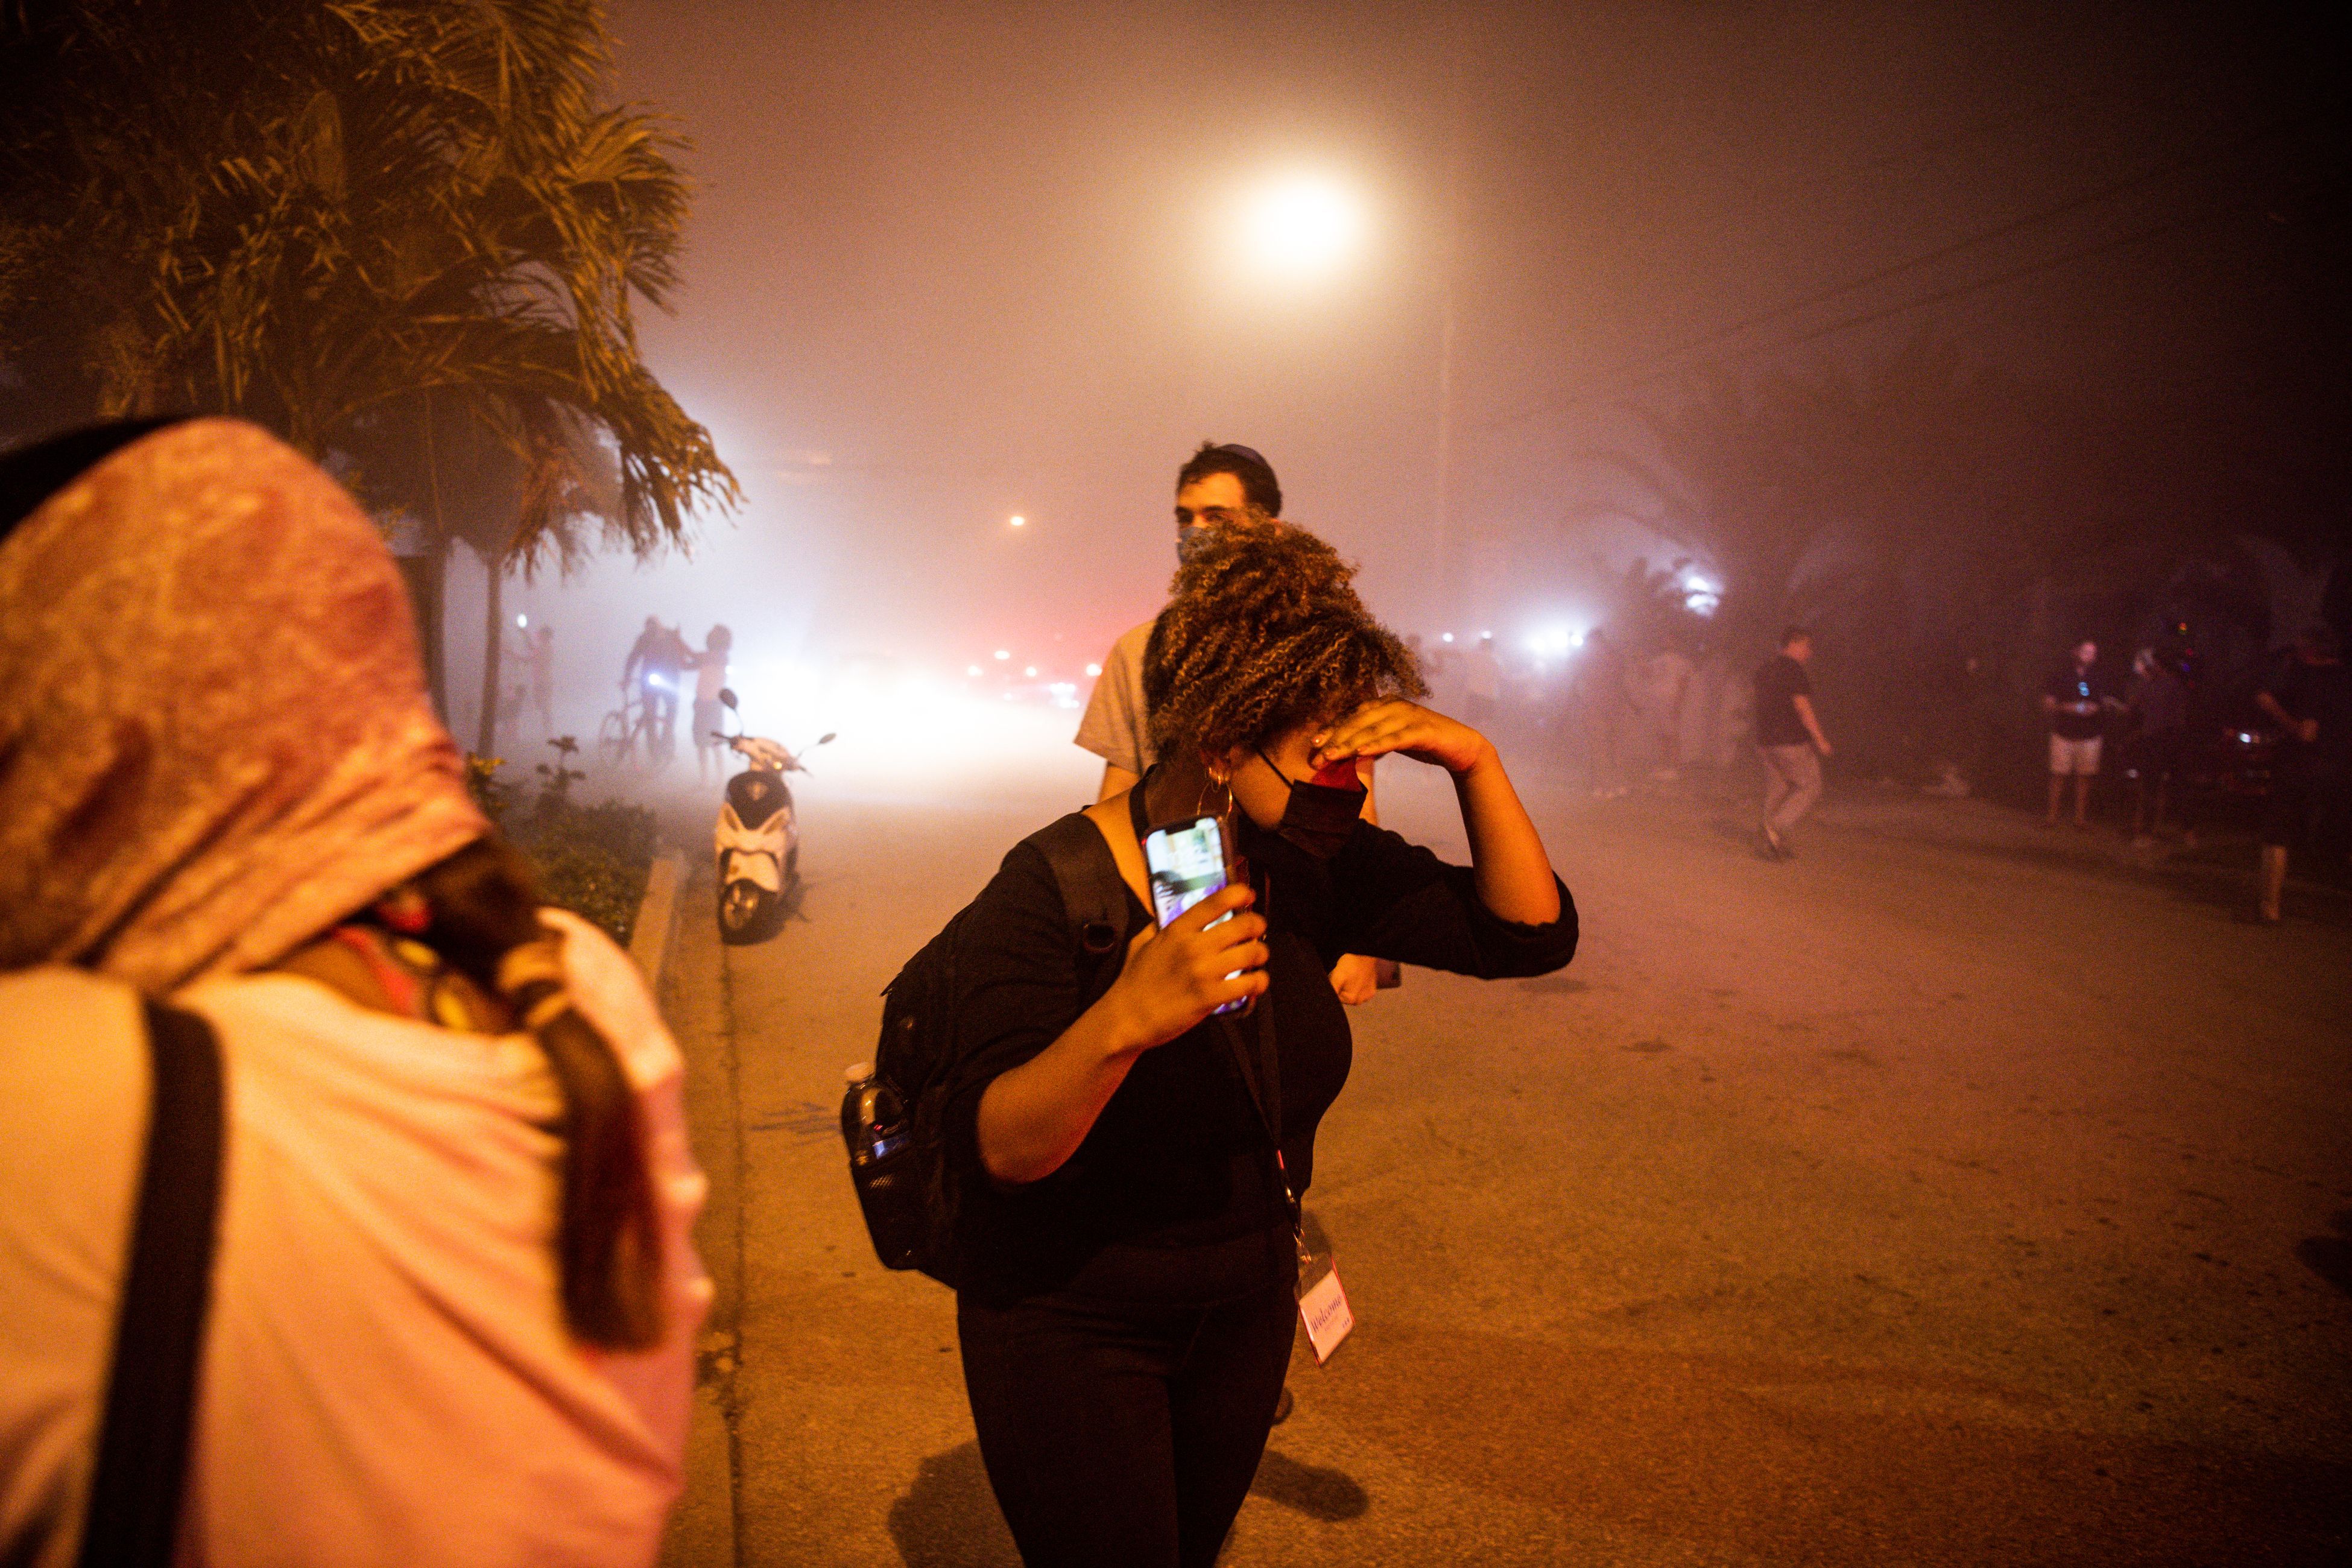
(1201, 806)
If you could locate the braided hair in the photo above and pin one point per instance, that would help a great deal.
(483, 919)
(1264, 632)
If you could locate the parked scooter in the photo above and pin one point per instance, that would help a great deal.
(758, 839)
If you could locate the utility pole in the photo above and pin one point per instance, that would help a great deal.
(1446, 573)
(1443, 531)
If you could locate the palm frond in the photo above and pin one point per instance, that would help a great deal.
(409, 233)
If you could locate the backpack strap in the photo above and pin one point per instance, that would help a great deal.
(133, 1517)
(1094, 895)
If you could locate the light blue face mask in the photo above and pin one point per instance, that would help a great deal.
(1189, 541)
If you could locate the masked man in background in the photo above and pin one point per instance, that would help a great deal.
(1220, 484)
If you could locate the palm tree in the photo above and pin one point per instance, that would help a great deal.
(403, 233)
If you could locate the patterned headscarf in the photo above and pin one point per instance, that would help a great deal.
(214, 738)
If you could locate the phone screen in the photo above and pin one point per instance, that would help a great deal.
(1187, 863)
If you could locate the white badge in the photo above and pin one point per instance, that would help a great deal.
(1323, 1306)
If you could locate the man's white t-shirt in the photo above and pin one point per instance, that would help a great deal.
(1116, 728)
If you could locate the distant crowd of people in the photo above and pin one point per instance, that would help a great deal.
(1623, 709)
(2305, 700)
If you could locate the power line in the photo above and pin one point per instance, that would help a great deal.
(1959, 290)
(1956, 291)
(1647, 374)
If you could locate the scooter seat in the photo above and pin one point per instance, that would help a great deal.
(756, 796)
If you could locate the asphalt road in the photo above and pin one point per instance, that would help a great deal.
(1960, 1194)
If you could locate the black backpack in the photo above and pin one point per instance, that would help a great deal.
(894, 1120)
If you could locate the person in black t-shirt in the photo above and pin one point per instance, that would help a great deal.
(1789, 741)
(2076, 700)
(1126, 1237)
(2311, 701)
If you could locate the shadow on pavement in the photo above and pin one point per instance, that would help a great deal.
(1554, 985)
(1328, 1495)
(1759, 1458)
(2330, 1256)
(948, 1519)
(2220, 877)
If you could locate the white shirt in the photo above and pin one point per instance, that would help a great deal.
(1115, 727)
(386, 1378)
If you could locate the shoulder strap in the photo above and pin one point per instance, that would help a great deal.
(133, 1516)
(1094, 895)
(1260, 1069)
(1262, 1075)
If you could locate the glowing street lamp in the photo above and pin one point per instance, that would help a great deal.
(1301, 226)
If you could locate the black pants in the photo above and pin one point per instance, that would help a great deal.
(1121, 1420)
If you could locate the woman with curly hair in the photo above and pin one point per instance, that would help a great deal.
(1129, 1169)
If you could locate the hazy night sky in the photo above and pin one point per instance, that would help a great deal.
(982, 260)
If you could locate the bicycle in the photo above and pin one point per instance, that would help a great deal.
(617, 732)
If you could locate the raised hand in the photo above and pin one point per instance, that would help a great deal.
(1425, 735)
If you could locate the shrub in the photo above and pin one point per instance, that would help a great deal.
(593, 860)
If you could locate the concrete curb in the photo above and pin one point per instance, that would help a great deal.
(649, 937)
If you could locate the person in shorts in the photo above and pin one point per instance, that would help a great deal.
(1788, 741)
(2311, 701)
(2076, 700)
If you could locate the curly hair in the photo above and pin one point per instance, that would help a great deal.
(1262, 632)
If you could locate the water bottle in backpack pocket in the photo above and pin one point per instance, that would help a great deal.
(894, 1116)
(878, 1127)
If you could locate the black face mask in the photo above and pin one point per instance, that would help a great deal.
(1319, 817)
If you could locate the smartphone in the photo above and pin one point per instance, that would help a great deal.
(1187, 862)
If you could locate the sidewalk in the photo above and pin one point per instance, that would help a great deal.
(829, 1422)
(692, 994)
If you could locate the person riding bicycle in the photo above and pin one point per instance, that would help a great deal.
(657, 661)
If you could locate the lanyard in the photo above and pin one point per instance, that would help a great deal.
(1260, 1069)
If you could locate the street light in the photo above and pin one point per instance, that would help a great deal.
(1301, 224)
